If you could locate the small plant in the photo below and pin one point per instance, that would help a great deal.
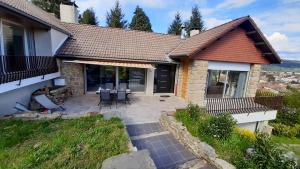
(285, 130)
(219, 126)
(193, 111)
(248, 134)
(269, 155)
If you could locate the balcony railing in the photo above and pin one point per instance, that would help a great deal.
(216, 106)
(13, 68)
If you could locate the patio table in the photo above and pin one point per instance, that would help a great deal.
(128, 91)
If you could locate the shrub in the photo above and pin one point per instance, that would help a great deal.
(218, 126)
(248, 134)
(285, 130)
(194, 111)
(268, 155)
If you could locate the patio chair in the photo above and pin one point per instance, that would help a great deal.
(47, 103)
(109, 86)
(123, 86)
(105, 98)
(121, 97)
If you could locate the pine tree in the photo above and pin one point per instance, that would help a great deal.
(175, 27)
(195, 21)
(115, 18)
(51, 6)
(140, 21)
(88, 17)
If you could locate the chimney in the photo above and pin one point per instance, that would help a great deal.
(183, 33)
(194, 32)
(69, 12)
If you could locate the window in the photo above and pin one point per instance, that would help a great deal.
(14, 47)
(223, 83)
(13, 38)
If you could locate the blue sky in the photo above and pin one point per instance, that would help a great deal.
(279, 20)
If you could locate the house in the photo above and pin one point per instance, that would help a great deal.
(223, 62)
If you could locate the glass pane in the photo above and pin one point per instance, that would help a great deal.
(13, 37)
(215, 83)
(236, 83)
(107, 77)
(136, 79)
(93, 77)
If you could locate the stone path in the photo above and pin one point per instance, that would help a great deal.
(165, 150)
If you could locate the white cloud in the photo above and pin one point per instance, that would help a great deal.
(282, 43)
(229, 4)
(213, 22)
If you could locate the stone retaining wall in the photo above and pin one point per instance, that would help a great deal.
(198, 148)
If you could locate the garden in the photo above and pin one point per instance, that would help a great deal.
(287, 124)
(74, 143)
(240, 147)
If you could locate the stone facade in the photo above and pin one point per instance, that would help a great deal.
(200, 149)
(74, 76)
(180, 78)
(253, 80)
(196, 82)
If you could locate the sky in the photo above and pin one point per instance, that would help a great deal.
(279, 20)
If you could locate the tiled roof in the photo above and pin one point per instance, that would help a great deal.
(33, 12)
(196, 42)
(96, 42)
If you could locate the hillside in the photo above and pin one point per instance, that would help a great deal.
(286, 65)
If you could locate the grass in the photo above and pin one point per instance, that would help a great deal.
(230, 149)
(291, 144)
(76, 143)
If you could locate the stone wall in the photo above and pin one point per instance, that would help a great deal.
(180, 78)
(199, 149)
(196, 83)
(253, 80)
(74, 76)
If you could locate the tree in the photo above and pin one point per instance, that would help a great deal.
(140, 21)
(88, 17)
(51, 6)
(175, 27)
(115, 18)
(195, 21)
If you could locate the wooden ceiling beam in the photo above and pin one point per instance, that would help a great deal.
(251, 32)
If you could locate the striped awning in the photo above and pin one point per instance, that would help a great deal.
(113, 63)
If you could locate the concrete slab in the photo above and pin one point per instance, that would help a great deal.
(142, 109)
(134, 160)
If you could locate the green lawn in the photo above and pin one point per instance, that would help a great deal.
(292, 144)
(76, 143)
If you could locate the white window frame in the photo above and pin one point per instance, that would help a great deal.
(228, 66)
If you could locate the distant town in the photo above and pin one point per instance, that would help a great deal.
(277, 78)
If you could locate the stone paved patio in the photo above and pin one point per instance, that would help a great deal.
(142, 109)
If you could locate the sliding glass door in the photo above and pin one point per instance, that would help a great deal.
(224, 83)
(111, 77)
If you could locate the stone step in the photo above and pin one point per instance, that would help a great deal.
(149, 135)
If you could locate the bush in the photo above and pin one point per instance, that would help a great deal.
(285, 130)
(218, 126)
(248, 134)
(194, 111)
(268, 155)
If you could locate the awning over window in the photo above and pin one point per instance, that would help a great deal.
(112, 63)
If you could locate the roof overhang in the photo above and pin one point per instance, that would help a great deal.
(113, 63)
(8, 7)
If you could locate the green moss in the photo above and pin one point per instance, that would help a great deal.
(76, 143)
